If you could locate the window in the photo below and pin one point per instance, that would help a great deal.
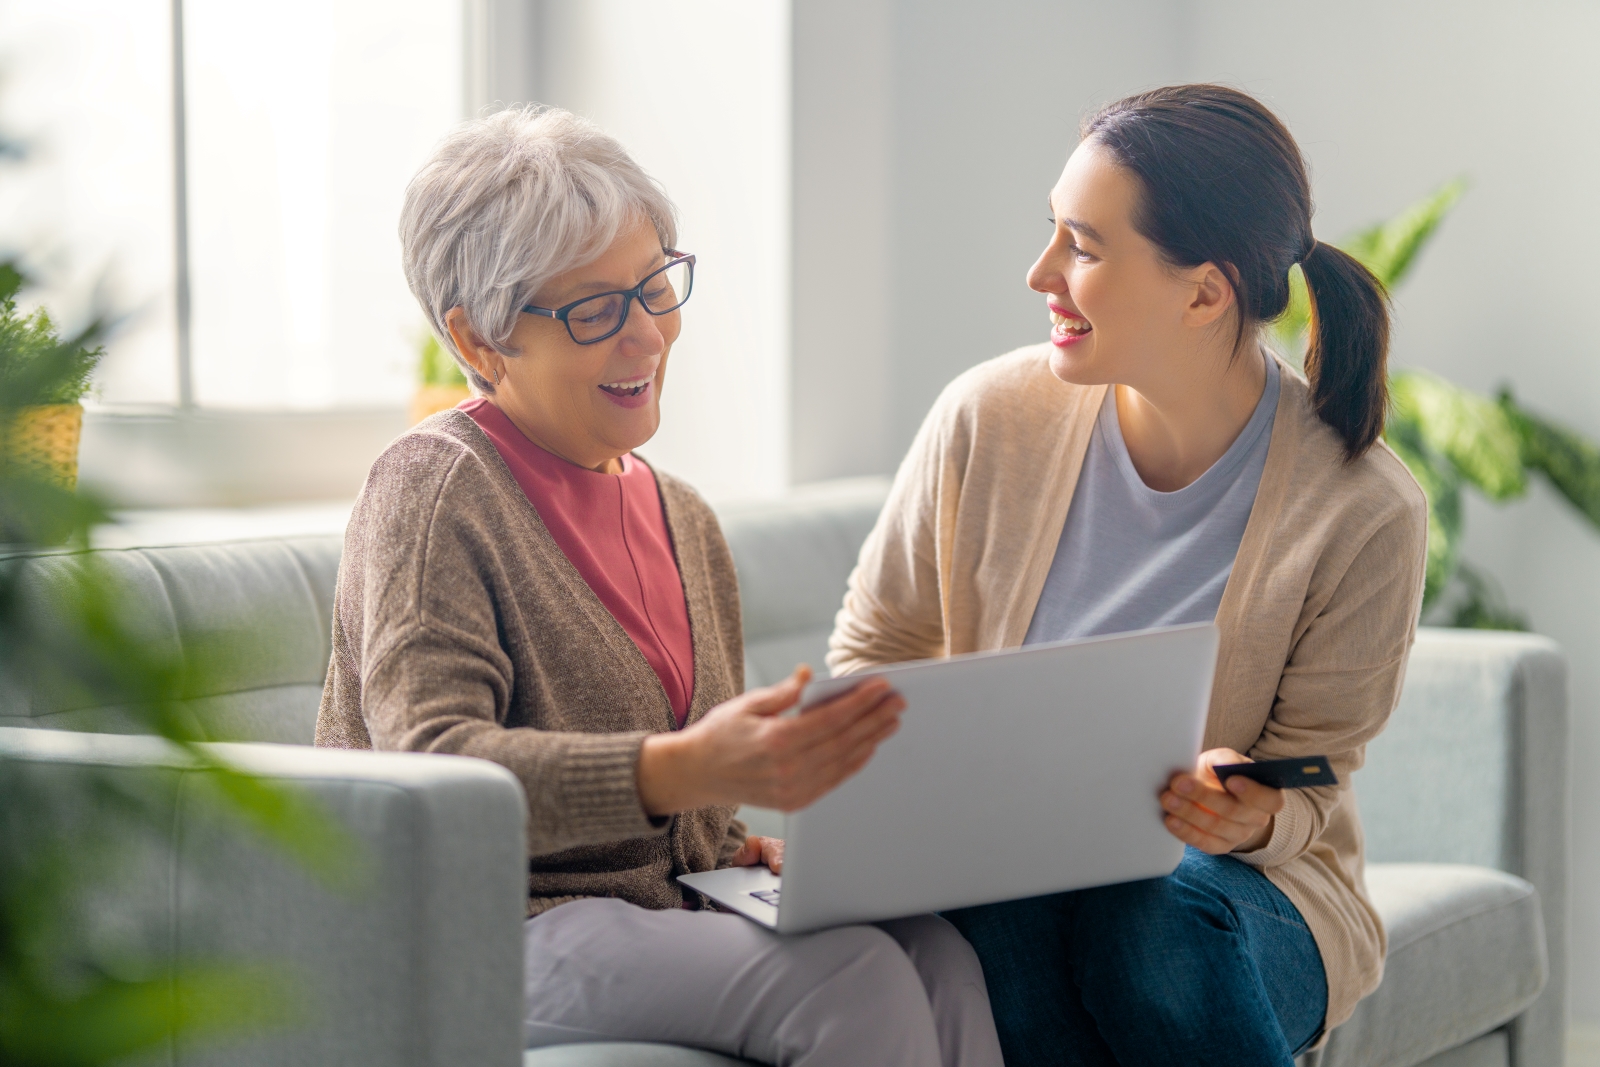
(302, 122)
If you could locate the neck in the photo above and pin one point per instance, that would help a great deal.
(599, 462)
(1180, 422)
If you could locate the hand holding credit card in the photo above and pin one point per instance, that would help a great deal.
(1300, 772)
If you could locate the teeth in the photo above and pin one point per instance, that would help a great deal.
(637, 383)
(1071, 322)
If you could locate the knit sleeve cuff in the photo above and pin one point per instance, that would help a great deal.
(1288, 835)
(597, 789)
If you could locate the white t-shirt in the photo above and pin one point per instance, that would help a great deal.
(1130, 557)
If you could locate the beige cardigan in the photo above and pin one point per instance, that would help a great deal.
(1317, 618)
(460, 627)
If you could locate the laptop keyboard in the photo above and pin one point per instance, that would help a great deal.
(766, 896)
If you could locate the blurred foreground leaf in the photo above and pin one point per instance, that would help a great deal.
(72, 993)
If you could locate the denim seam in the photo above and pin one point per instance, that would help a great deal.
(1301, 923)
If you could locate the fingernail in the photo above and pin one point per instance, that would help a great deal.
(1184, 786)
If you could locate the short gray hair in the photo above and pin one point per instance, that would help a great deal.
(506, 203)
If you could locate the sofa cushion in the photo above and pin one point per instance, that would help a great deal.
(1466, 954)
(251, 621)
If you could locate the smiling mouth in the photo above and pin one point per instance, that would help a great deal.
(628, 388)
(1069, 325)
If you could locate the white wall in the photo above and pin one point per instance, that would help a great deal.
(698, 91)
(1387, 99)
(927, 135)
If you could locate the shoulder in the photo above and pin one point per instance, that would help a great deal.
(1375, 489)
(442, 475)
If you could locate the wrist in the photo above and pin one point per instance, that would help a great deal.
(1260, 839)
(664, 775)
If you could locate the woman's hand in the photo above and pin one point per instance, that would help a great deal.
(768, 850)
(744, 752)
(1214, 818)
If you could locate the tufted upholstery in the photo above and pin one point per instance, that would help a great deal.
(270, 602)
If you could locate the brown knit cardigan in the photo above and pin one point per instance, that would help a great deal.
(460, 627)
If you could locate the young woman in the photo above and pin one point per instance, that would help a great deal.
(1154, 465)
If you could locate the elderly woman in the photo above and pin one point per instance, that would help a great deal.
(517, 585)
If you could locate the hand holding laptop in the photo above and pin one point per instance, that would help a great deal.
(1220, 817)
(746, 751)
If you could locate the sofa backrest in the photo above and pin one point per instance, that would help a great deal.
(794, 557)
(270, 600)
(1454, 778)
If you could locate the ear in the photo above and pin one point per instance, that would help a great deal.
(1211, 294)
(479, 354)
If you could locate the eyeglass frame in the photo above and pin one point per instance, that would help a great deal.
(629, 295)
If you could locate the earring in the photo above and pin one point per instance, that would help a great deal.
(497, 376)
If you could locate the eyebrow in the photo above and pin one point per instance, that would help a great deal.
(1075, 224)
(589, 288)
(1085, 229)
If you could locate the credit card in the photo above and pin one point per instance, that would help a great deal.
(1298, 773)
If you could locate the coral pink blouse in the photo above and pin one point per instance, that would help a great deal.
(611, 527)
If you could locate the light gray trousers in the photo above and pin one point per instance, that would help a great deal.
(905, 993)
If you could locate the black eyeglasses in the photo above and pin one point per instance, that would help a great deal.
(594, 318)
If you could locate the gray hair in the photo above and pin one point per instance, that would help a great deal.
(506, 203)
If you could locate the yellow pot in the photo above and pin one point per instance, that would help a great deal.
(45, 440)
(429, 399)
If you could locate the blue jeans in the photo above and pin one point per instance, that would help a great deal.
(1209, 965)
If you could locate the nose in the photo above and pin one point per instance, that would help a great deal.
(642, 333)
(1046, 276)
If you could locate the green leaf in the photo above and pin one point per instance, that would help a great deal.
(1568, 460)
(1472, 432)
(293, 821)
(1441, 484)
(38, 366)
(110, 1019)
(1389, 248)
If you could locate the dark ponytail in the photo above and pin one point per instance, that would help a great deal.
(1345, 361)
(1224, 183)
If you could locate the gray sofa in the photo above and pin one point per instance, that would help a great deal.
(1463, 799)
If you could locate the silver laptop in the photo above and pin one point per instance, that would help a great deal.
(1014, 774)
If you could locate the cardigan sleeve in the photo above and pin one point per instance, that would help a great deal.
(1343, 678)
(423, 665)
(433, 692)
(893, 607)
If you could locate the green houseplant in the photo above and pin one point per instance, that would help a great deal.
(74, 993)
(1451, 437)
(44, 435)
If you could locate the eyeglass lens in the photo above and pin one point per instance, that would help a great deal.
(663, 291)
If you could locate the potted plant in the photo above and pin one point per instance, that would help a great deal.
(43, 436)
(442, 384)
(1451, 437)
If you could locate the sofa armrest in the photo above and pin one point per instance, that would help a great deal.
(1473, 768)
(420, 964)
